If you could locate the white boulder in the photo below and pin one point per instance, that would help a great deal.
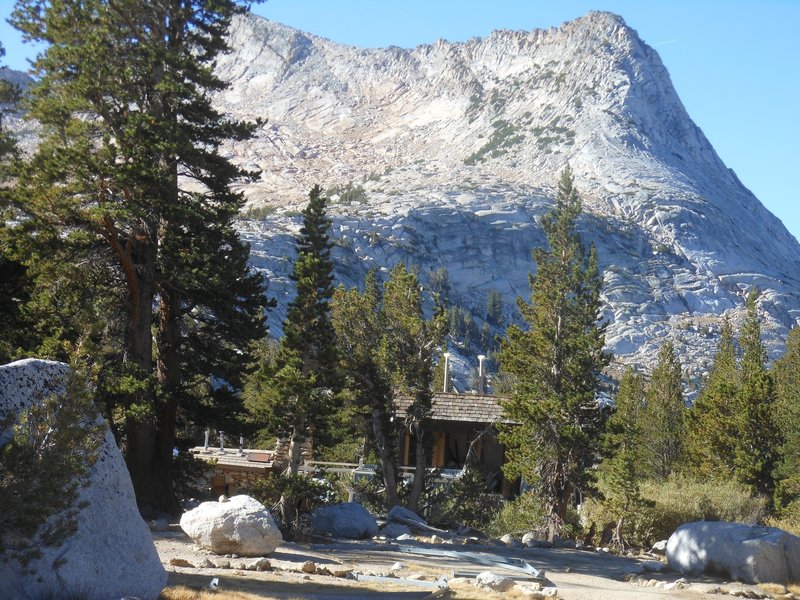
(241, 525)
(346, 520)
(111, 554)
(749, 553)
(491, 581)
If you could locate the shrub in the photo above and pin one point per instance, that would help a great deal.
(467, 503)
(524, 513)
(46, 460)
(788, 518)
(680, 500)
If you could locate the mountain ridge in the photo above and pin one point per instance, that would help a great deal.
(447, 154)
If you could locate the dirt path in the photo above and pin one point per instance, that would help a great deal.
(576, 574)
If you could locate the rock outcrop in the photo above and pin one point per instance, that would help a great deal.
(448, 154)
(111, 554)
(748, 553)
(239, 525)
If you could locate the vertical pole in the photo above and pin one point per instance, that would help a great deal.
(481, 375)
(446, 371)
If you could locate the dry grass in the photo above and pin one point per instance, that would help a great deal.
(181, 592)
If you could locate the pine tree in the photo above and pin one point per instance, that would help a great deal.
(757, 437)
(710, 421)
(622, 448)
(662, 417)
(407, 350)
(554, 365)
(494, 308)
(359, 323)
(301, 386)
(128, 165)
(786, 373)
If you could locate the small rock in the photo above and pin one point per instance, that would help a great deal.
(341, 572)
(435, 539)
(396, 566)
(491, 581)
(223, 564)
(181, 562)
(242, 566)
(404, 537)
(532, 536)
(660, 547)
(308, 567)
(223, 498)
(510, 541)
(206, 564)
(418, 577)
(159, 525)
(471, 540)
(397, 531)
(262, 564)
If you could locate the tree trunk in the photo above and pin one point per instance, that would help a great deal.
(138, 263)
(419, 472)
(288, 503)
(169, 375)
(385, 456)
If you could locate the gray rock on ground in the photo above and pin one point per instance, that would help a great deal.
(241, 525)
(748, 553)
(111, 555)
(395, 530)
(346, 520)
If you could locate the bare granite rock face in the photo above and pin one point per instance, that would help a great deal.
(448, 154)
(111, 555)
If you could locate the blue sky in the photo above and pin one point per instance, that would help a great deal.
(735, 63)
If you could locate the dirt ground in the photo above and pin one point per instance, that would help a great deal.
(575, 574)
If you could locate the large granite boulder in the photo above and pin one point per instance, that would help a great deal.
(239, 525)
(749, 553)
(111, 553)
(346, 520)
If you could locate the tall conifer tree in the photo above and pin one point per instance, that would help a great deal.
(555, 363)
(407, 349)
(786, 372)
(757, 436)
(710, 425)
(662, 417)
(297, 393)
(623, 449)
(128, 165)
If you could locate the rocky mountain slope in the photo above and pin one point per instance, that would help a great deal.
(448, 155)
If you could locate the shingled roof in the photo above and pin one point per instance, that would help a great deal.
(465, 408)
(248, 460)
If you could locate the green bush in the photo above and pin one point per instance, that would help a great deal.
(788, 518)
(44, 461)
(680, 500)
(524, 513)
(467, 503)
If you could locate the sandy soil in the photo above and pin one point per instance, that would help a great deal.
(576, 574)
